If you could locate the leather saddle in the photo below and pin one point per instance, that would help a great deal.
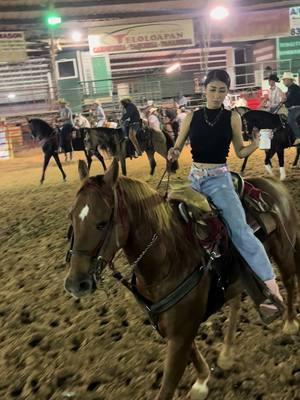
(223, 259)
(196, 208)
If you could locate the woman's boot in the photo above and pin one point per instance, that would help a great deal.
(269, 310)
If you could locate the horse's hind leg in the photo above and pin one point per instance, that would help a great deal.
(226, 357)
(152, 162)
(101, 159)
(297, 266)
(47, 157)
(288, 275)
(178, 355)
(295, 163)
(57, 160)
(199, 390)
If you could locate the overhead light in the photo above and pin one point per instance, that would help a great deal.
(76, 36)
(218, 13)
(11, 96)
(173, 67)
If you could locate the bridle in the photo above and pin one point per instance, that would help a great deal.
(97, 260)
(96, 256)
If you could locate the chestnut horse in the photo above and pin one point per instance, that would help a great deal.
(112, 213)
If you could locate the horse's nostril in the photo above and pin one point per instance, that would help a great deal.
(85, 286)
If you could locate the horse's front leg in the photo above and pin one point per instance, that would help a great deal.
(178, 355)
(226, 357)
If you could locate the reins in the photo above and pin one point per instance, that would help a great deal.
(168, 172)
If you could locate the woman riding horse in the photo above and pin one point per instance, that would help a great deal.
(211, 131)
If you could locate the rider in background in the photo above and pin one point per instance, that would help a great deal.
(152, 118)
(131, 113)
(66, 119)
(98, 114)
(292, 103)
(275, 95)
(211, 130)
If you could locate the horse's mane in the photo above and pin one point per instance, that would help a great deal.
(148, 203)
(157, 214)
(41, 127)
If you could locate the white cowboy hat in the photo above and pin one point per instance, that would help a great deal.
(288, 75)
(62, 101)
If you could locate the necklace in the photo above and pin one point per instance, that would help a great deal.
(214, 121)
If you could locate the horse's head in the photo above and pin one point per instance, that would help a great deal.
(32, 127)
(99, 229)
(39, 128)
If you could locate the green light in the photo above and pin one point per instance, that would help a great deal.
(53, 20)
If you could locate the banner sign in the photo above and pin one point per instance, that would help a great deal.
(256, 26)
(131, 38)
(294, 13)
(12, 47)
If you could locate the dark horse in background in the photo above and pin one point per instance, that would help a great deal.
(283, 136)
(49, 140)
(113, 141)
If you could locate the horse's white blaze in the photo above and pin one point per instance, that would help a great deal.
(84, 212)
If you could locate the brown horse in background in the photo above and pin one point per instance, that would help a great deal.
(112, 213)
(112, 141)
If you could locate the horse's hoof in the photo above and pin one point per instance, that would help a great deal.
(199, 390)
(291, 327)
(225, 360)
(41, 182)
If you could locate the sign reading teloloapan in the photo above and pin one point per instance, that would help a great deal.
(294, 13)
(130, 38)
(12, 47)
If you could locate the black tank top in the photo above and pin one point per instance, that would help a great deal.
(210, 144)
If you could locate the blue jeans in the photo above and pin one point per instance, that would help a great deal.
(293, 114)
(219, 189)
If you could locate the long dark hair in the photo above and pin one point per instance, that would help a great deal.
(218, 75)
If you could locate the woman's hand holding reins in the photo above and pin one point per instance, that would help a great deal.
(173, 154)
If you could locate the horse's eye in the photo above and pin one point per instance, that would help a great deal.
(101, 225)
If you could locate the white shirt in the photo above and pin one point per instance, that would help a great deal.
(275, 96)
(153, 122)
(65, 114)
(100, 116)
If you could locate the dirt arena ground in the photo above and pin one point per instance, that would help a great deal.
(102, 347)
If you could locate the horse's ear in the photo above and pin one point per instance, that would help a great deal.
(111, 176)
(83, 170)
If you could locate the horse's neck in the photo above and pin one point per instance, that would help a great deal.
(163, 255)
